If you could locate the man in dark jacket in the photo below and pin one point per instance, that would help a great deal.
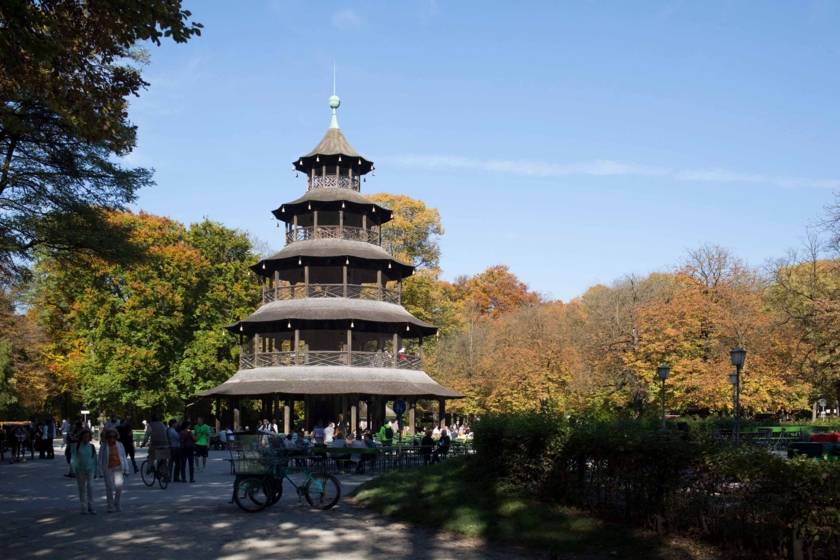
(126, 433)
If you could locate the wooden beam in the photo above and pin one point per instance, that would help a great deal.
(287, 417)
(412, 416)
(349, 347)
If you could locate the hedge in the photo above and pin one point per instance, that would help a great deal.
(743, 499)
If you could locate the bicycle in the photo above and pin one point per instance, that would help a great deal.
(259, 483)
(160, 473)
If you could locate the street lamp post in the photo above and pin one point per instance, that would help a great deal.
(662, 371)
(737, 357)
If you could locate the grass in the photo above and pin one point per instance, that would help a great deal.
(454, 496)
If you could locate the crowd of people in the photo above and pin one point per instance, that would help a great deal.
(434, 442)
(182, 445)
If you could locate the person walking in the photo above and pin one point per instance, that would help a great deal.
(126, 433)
(202, 443)
(72, 438)
(83, 463)
(187, 451)
(114, 468)
(50, 438)
(65, 431)
(174, 451)
(42, 433)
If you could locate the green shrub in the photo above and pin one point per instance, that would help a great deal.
(743, 498)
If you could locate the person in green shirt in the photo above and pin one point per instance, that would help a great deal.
(202, 442)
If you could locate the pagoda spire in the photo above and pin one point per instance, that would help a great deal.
(335, 103)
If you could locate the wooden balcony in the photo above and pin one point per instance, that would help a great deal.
(353, 233)
(333, 182)
(248, 359)
(354, 291)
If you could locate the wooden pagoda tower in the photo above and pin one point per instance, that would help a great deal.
(331, 332)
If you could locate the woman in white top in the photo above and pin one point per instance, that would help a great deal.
(114, 467)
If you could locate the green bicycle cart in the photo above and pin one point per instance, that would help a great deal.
(261, 470)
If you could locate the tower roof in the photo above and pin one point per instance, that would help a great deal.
(334, 148)
(332, 199)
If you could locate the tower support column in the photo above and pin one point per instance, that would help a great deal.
(287, 416)
(412, 416)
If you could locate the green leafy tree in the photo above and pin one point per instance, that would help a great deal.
(147, 333)
(67, 69)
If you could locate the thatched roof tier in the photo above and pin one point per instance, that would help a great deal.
(333, 200)
(331, 380)
(334, 149)
(334, 252)
(334, 313)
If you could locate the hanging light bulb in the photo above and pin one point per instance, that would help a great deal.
(263, 266)
(317, 159)
(309, 206)
(342, 205)
(300, 262)
(339, 158)
(241, 328)
(406, 327)
(283, 209)
(360, 162)
(389, 265)
(374, 210)
(347, 261)
(289, 325)
(352, 324)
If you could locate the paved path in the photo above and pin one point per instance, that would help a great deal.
(39, 518)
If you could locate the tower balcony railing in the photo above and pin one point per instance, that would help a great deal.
(333, 182)
(248, 359)
(354, 291)
(353, 233)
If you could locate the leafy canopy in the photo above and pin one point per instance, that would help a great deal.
(67, 68)
(148, 333)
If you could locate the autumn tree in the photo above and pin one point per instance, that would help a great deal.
(805, 291)
(413, 231)
(67, 69)
(149, 333)
(493, 292)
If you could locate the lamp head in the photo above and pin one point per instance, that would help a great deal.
(737, 357)
(662, 371)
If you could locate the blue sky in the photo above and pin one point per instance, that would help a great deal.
(576, 142)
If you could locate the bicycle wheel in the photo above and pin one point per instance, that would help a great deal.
(147, 476)
(322, 491)
(163, 476)
(251, 493)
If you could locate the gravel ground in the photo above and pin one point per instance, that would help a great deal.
(39, 518)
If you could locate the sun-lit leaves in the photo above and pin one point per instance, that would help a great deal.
(148, 332)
